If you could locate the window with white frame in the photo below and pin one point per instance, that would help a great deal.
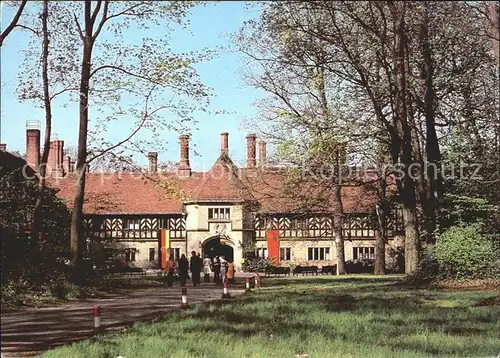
(285, 253)
(175, 253)
(262, 253)
(130, 255)
(219, 214)
(318, 253)
(363, 253)
(132, 224)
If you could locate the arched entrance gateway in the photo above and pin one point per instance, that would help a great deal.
(218, 245)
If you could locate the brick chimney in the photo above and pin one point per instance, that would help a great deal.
(67, 165)
(153, 162)
(262, 153)
(184, 170)
(33, 144)
(3, 147)
(224, 143)
(55, 165)
(251, 138)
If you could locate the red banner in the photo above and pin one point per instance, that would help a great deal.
(273, 245)
(165, 247)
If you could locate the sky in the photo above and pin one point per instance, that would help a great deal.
(211, 26)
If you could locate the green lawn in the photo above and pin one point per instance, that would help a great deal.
(351, 316)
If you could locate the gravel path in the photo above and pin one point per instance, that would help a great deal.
(28, 331)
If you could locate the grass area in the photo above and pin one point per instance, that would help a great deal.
(351, 316)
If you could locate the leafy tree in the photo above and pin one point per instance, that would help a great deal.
(400, 70)
(34, 258)
(115, 79)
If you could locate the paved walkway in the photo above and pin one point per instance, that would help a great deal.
(27, 331)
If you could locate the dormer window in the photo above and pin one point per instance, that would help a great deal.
(219, 214)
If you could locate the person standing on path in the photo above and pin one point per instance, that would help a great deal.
(183, 269)
(230, 272)
(216, 268)
(207, 269)
(195, 266)
(171, 265)
(223, 268)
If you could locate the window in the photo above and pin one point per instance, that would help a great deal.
(152, 253)
(262, 253)
(285, 253)
(363, 253)
(318, 253)
(130, 255)
(132, 224)
(218, 214)
(175, 253)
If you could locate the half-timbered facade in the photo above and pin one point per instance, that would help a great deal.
(215, 212)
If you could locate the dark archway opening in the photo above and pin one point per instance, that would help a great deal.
(214, 247)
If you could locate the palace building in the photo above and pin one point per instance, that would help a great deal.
(153, 214)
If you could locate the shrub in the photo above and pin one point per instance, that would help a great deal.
(257, 265)
(467, 252)
(361, 266)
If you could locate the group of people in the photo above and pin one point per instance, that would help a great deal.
(222, 269)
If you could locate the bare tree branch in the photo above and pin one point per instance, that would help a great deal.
(79, 28)
(13, 23)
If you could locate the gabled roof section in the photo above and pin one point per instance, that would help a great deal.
(222, 183)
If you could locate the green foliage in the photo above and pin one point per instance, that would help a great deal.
(257, 264)
(461, 209)
(467, 251)
(25, 258)
(252, 262)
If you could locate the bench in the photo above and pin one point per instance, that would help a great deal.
(277, 270)
(305, 270)
(329, 270)
(131, 271)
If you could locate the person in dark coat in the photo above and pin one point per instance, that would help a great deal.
(183, 266)
(216, 269)
(195, 266)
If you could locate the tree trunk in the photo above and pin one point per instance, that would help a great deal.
(81, 165)
(379, 223)
(338, 216)
(434, 181)
(338, 209)
(42, 169)
(338, 223)
(422, 183)
(405, 183)
(412, 239)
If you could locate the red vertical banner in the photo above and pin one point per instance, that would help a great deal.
(273, 245)
(165, 247)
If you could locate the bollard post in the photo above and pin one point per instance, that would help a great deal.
(225, 293)
(257, 281)
(247, 284)
(184, 298)
(97, 318)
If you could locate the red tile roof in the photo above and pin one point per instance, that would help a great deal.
(136, 193)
